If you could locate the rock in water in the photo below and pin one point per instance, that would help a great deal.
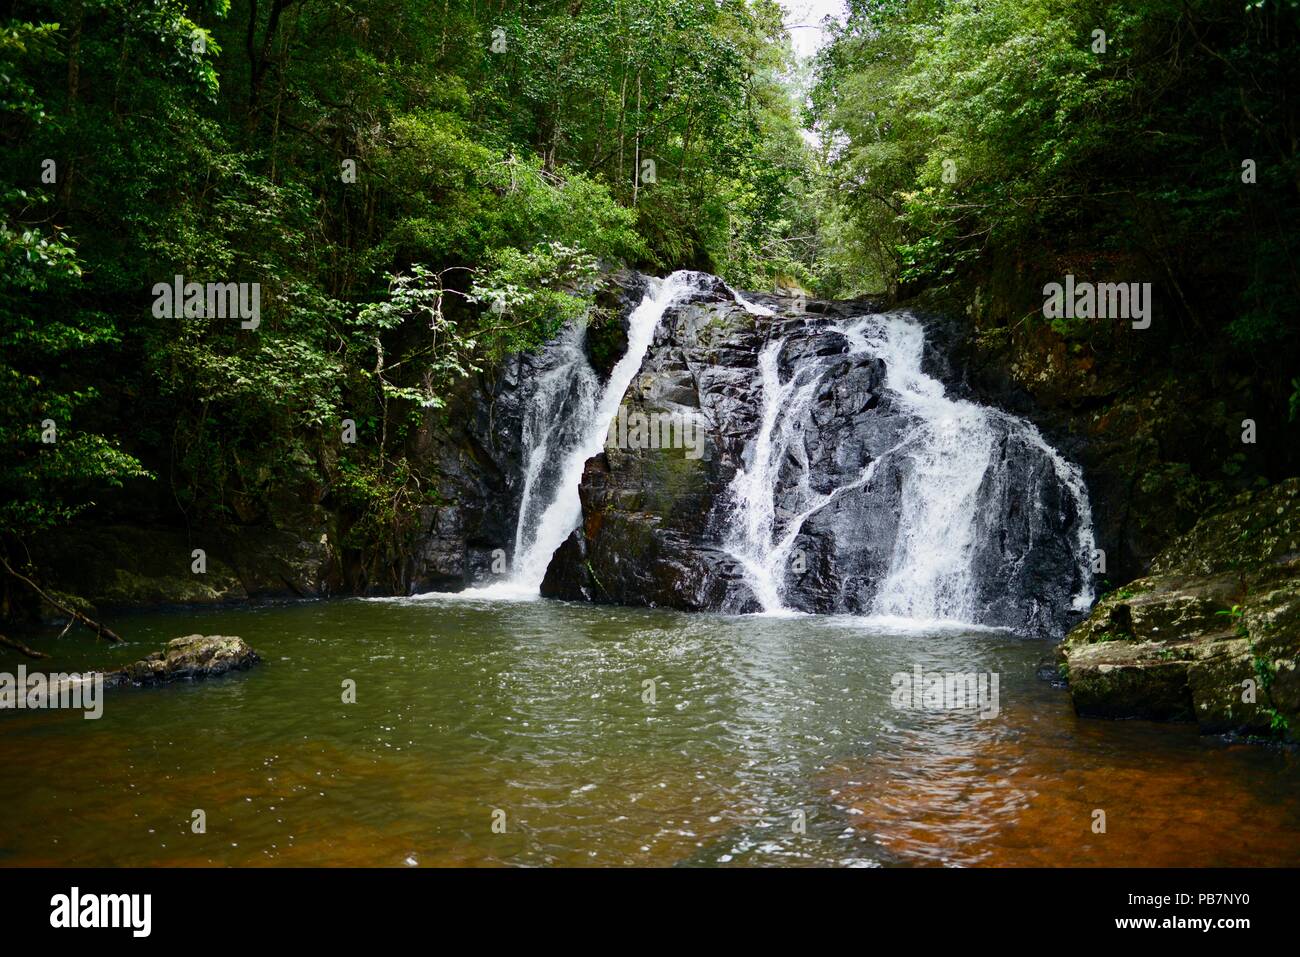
(193, 657)
(1212, 635)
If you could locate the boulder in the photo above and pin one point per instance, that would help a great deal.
(1212, 635)
(193, 658)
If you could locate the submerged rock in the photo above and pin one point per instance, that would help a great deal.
(193, 657)
(1212, 635)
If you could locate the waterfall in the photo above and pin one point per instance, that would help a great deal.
(762, 541)
(950, 462)
(959, 467)
(567, 424)
(863, 487)
(563, 398)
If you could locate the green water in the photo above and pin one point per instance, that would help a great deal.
(537, 710)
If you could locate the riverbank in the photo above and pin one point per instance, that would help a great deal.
(1212, 635)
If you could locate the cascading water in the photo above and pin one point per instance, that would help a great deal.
(861, 486)
(959, 470)
(765, 535)
(564, 396)
(950, 461)
(567, 425)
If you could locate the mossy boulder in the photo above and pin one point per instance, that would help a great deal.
(1212, 635)
(193, 657)
(1130, 680)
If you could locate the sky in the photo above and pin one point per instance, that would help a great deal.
(804, 17)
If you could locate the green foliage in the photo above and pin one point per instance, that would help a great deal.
(413, 203)
(1266, 673)
(420, 189)
(49, 467)
(1237, 614)
(968, 136)
(539, 290)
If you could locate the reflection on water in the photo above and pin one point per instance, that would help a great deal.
(538, 709)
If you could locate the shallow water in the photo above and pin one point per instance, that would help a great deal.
(536, 709)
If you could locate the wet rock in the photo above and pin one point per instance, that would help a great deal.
(656, 520)
(1212, 635)
(645, 538)
(607, 327)
(193, 658)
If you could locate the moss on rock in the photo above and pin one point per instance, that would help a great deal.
(1212, 635)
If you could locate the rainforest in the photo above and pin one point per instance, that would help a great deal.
(694, 433)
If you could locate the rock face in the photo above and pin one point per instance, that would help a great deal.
(193, 657)
(119, 566)
(646, 537)
(1212, 635)
(479, 451)
(660, 522)
(654, 518)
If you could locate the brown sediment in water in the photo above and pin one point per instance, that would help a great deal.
(1023, 791)
(757, 721)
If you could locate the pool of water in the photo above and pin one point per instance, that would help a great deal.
(520, 733)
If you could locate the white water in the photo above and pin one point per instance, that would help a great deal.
(547, 424)
(753, 308)
(930, 573)
(947, 452)
(944, 458)
(549, 511)
(762, 540)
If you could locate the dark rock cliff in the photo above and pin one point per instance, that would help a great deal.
(656, 520)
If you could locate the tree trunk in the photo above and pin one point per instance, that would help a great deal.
(17, 645)
(99, 629)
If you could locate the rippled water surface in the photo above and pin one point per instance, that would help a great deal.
(537, 709)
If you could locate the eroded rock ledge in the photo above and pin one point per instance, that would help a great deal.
(1212, 635)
